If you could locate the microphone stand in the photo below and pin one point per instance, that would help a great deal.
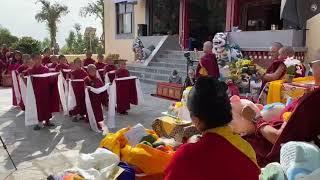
(5, 147)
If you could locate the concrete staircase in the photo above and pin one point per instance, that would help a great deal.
(161, 67)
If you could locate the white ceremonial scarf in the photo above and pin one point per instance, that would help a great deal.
(62, 93)
(106, 78)
(91, 117)
(23, 89)
(16, 86)
(113, 98)
(98, 75)
(72, 102)
(31, 112)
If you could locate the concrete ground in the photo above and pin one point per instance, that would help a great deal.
(38, 154)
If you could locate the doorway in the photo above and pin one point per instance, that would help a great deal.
(206, 18)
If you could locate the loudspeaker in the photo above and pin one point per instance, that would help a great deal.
(142, 30)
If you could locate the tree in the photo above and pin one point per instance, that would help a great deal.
(45, 43)
(51, 14)
(27, 45)
(6, 37)
(95, 9)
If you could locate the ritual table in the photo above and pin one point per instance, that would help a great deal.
(170, 127)
(279, 91)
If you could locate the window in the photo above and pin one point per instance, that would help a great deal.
(124, 18)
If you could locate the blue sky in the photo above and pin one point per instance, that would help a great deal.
(18, 17)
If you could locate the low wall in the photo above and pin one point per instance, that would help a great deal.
(71, 57)
(313, 32)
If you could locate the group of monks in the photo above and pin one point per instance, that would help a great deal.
(43, 71)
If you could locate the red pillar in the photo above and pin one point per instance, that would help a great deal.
(184, 26)
(232, 14)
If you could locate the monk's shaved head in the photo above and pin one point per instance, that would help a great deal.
(92, 70)
(274, 50)
(277, 45)
(286, 51)
(77, 60)
(207, 46)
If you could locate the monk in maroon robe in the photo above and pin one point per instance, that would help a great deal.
(100, 66)
(41, 87)
(96, 99)
(122, 71)
(89, 59)
(110, 67)
(22, 71)
(63, 66)
(54, 63)
(46, 56)
(208, 65)
(277, 69)
(13, 65)
(78, 87)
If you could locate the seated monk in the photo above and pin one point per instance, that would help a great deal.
(122, 71)
(277, 69)
(208, 65)
(267, 132)
(96, 99)
(78, 73)
(219, 153)
(41, 92)
(46, 56)
(89, 59)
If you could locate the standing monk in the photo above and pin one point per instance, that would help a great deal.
(78, 75)
(122, 71)
(89, 59)
(54, 63)
(63, 66)
(46, 56)
(96, 99)
(22, 71)
(110, 66)
(208, 65)
(41, 91)
(277, 69)
(100, 66)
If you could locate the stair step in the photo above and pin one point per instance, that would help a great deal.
(156, 70)
(171, 60)
(168, 65)
(149, 75)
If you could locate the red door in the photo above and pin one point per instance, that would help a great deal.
(184, 25)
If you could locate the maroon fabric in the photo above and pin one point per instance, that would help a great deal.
(12, 67)
(110, 67)
(52, 65)
(22, 70)
(273, 68)
(209, 62)
(304, 125)
(120, 73)
(41, 87)
(88, 61)
(96, 99)
(60, 67)
(303, 72)
(54, 94)
(126, 94)
(212, 157)
(78, 88)
(46, 60)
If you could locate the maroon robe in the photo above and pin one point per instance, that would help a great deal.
(96, 99)
(22, 70)
(41, 87)
(62, 66)
(212, 157)
(100, 68)
(120, 73)
(108, 68)
(88, 61)
(78, 88)
(52, 67)
(273, 68)
(259, 143)
(126, 94)
(46, 60)
(209, 62)
(13, 66)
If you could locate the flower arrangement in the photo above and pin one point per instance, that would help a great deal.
(293, 68)
(240, 67)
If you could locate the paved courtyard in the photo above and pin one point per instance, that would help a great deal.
(32, 151)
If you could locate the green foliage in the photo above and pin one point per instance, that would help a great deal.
(45, 43)
(27, 45)
(6, 37)
(76, 43)
(291, 70)
(51, 14)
